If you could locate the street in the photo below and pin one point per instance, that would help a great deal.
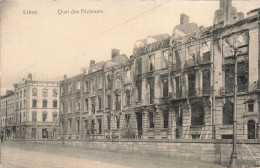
(31, 155)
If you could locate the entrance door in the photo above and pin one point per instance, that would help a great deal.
(33, 133)
(44, 133)
(139, 124)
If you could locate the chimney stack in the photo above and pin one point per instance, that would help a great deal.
(9, 92)
(30, 76)
(92, 62)
(184, 19)
(65, 76)
(115, 52)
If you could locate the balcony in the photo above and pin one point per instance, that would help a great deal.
(190, 63)
(205, 59)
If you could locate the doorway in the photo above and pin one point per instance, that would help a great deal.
(139, 124)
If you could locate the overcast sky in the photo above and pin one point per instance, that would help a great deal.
(49, 45)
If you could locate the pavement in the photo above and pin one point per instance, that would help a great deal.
(31, 155)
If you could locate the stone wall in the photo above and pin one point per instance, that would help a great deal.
(208, 150)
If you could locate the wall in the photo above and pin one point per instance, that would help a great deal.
(212, 151)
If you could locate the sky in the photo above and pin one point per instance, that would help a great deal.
(55, 42)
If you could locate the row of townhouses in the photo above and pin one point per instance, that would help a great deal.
(178, 86)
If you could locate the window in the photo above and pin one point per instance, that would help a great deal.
(99, 102)
(93, 108)
(165, 59)
(70, 123)
(242, 77)
(250, 107)
(109, 82)
(151, 89)
(151, 120)
(139, 66)
(251, 129)
(34, 116)
(44, 117)
(118, 102)
(165, 87)
(78, 85)
(139, 90)
(127, 95)
(86, 85)
(228, 110)
(34, 103)
(54, 92)
(86, 104)
(151, 63)
(70, 106)
(54, 117)
(55, 104)
(100, 82)
(192, 84)
(70, 87)
(128, 75)
(99, 126)
(45, 92)
(78, 125)
(191, 52)
(117, 122)
(44, 103)
(229, 79)
(61, 89)
(109, 101)
(93, 83)
(206, 81)
(127, 120)
(178, 87)
(62, 107)
(78, 105)
(21, 94)
(165, 119)
(108, 121)
(197, 113)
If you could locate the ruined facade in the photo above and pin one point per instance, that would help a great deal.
(173, 87)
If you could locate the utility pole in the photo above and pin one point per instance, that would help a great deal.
(234, 149)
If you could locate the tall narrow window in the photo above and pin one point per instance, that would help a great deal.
(151, 89)
(139, 90)
(54, 117)
(55, 103)
(34, 102)
(127, 120)
(151, 120)
(34, 116)
(127, 94)
(117, 122)
(178, 87)
(151, 63)
(118, 102)
(109, 101)
(165, 119)
(191, 86)
(139, 66)
(165, 58)
(78, 85)
(44, 103)
(242, 77)
(229, 78)
(78, 105)
(108, 121)
(99, 102)
(44, 117)
(86, 85)
(206, 81)
(165, 87)
(86, 104)
(99, 126)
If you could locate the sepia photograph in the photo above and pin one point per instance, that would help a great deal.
(129, 84)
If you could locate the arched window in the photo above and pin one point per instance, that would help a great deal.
(251, 129)
(228, 110)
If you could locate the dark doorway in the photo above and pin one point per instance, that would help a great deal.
(44, 133)
(251, 129)
(139, 124)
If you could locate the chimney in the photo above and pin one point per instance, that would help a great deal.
(184, 19)
(9, 92)
(115, 52)
(30, 76)
(92, 62)
(240, 16)
(65, 76)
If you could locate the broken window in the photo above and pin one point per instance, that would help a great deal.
(128, 75)
(99, 126)
(139, 66)
(165, 119)
(100, 82)
(70, 87)
(151, 63)
(151, 120)
(108, 121)
(99, 102)
(93, 83)
(242, 77)
(109, 81)
(206, 81)
(228, 110)
(109, 101)
(86, 104)
(192, 84)
(118, 102)
(165, 87)
(191, 52)
(229, 78)
(197, 113)
(178, 87)
(127, 94)
(86, 85)
(165, 58)
(139, 90)
(127, 120)
(78, 85)
(151, 88)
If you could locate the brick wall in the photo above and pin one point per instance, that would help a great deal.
(212, 151)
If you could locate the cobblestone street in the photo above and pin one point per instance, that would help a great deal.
(19, 154)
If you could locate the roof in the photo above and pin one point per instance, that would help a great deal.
(157, 37)
(116, 60)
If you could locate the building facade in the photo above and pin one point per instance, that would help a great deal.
(37, 109)
(178, 86)
(8, 114)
